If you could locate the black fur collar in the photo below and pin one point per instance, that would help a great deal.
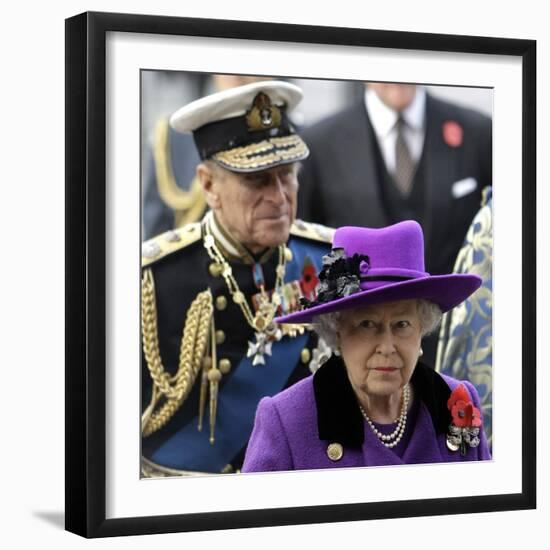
(338, 416)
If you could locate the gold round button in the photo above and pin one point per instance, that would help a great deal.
(305, 355)
(215, 269)
(259, 323)
(220, 337)
(335, 451)
(224, 366)
(288, 254)
(214, 375)
(221, 303)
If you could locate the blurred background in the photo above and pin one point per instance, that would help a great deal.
(163, 92)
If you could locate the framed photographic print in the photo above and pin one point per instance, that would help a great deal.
(137, 391)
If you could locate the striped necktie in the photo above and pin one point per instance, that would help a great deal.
(404, 164)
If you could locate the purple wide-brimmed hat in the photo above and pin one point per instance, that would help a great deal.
(369, 266)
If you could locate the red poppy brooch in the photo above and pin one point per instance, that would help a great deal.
(464, 429)
(452, 133)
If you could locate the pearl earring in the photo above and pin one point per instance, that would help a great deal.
(420, 352)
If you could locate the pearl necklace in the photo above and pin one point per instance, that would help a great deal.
(391, 440)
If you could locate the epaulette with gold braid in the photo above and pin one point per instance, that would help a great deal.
(171, 241)
(312, 231)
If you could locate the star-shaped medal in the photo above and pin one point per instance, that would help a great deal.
(259, 349)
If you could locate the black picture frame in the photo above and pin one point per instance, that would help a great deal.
(86, 239)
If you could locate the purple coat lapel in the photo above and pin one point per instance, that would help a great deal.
(294, 429)
(376, 454)
(423, 446)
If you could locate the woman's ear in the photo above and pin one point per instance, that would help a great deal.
(207, 179)
(337, 350)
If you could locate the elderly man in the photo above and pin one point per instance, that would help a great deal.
(173, 196)
(211, 290)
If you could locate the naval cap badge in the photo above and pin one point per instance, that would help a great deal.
(263, 114)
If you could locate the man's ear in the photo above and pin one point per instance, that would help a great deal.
(207, 179)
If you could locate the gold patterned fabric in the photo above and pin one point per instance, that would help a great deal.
(264, 154)
(465, 349)
(184, 198)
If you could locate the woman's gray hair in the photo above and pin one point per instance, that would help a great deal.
(430, 316)
(327, 325)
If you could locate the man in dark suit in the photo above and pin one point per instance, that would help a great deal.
(399, 154)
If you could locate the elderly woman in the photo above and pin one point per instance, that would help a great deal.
(373, 402)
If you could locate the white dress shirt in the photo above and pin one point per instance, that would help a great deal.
(383, 120)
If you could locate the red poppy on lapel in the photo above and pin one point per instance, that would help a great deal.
(452, 133)
(464, 414)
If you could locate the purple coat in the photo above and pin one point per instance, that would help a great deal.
(293, 429)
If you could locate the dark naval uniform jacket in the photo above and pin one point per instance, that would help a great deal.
(344, 181)
(181, 269)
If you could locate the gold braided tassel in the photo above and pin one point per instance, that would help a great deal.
(214, 377)
(207, 362)
(174, 389)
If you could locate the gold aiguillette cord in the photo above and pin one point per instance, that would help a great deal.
(211, 376)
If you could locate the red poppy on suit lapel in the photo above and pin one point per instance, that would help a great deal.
(452, 133)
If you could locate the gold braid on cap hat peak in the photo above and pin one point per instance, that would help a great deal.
(263, 153)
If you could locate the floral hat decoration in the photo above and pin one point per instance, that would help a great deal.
(369, 266)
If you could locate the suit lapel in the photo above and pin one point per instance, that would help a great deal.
(377, 454)
(438, 173)
(423, 446)
(357, 164)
